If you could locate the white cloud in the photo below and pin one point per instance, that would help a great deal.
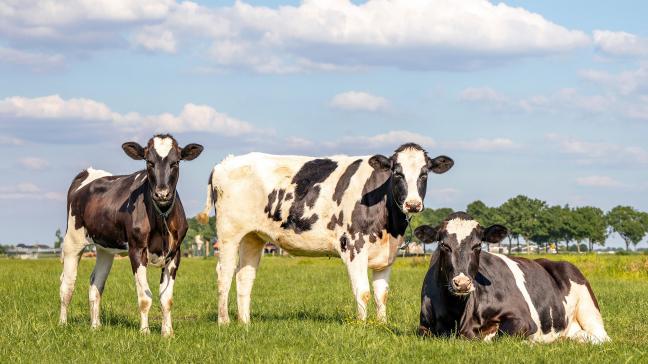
(620, 43)
(28, 191)
(314, 35)
(598, 181)
(359, 101)
(192, 117)
(391, 139)
(35, 60)
(485, 94)
(599, 152)
(625, 82)
(153, 39)
(9, 140)
(33, 163)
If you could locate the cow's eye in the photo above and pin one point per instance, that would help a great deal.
(477, 247)
(445, 246)
(423, 176)
(398, 175)
(174, 165)
(150, 164)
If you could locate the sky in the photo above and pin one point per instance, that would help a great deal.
(543, 98)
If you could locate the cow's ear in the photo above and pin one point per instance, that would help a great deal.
(133, 150)
(380, 162)
(427, 234)
(494, 234)
(191, 151)
(440, 164)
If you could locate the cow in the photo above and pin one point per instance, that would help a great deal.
(353, 207)
(139, 214)
(481, 295)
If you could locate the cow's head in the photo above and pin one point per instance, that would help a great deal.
(162, 155)
(409, 166)
(460, 238)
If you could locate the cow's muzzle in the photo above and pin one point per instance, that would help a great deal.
(412, 207)
(461, 285)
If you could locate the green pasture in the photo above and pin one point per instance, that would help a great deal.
(302, 311)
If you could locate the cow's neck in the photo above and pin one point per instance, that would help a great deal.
(396, 219)
(455, 305)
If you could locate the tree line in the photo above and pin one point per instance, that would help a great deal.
(537, 222)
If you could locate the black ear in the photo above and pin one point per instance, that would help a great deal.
(380, 162)
(440, 164)
(495, 234)
(426, 234)
(191, 151)
(133, 150)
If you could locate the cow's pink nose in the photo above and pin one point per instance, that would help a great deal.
(461, 283)
(413, 206)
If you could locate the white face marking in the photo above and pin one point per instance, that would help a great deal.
(461, 228)
(162, 146)
(93, 174)
(412, 161)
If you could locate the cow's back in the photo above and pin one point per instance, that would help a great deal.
(102, 204)
(302, 203)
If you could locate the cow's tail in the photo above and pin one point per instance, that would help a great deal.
(210, 201)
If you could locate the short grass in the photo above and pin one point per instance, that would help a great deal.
(302, 312)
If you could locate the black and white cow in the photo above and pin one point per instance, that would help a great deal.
(478, 294)
(352, 207)
(140, 214)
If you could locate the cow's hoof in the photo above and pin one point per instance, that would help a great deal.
(167, 332)
(223, 321)
(145, 331)
(95, 326)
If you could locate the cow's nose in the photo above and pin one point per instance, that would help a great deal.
(461, 283)
(413, 206)
(162, 194)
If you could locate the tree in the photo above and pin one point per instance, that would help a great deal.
(591, 225)
(629, 223)
(59, 239)
(207, 231)
(521, 214)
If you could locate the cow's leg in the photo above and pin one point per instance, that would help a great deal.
(249, 256)
(227, 260)
(357, 269)
(73, 244)
(380, 283)
(97, 283)
(138, 258)
(589, 317)
(166, 293)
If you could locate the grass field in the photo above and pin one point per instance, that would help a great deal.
(302, 310)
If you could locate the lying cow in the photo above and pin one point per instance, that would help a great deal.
(352, 207)
(140, 213)
(480, 295)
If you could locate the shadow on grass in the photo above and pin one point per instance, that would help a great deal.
(300, 315)
(107, 319)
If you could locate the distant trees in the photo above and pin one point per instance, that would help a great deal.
(59, 239)
(629, 223)
(542, 224)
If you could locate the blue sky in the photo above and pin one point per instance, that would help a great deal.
(543, 98)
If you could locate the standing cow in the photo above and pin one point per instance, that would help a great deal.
(140, 213)
(352, 207)
(480, 295)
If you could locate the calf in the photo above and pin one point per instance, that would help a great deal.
(352, 207)
(480, 295)
(140, 214)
